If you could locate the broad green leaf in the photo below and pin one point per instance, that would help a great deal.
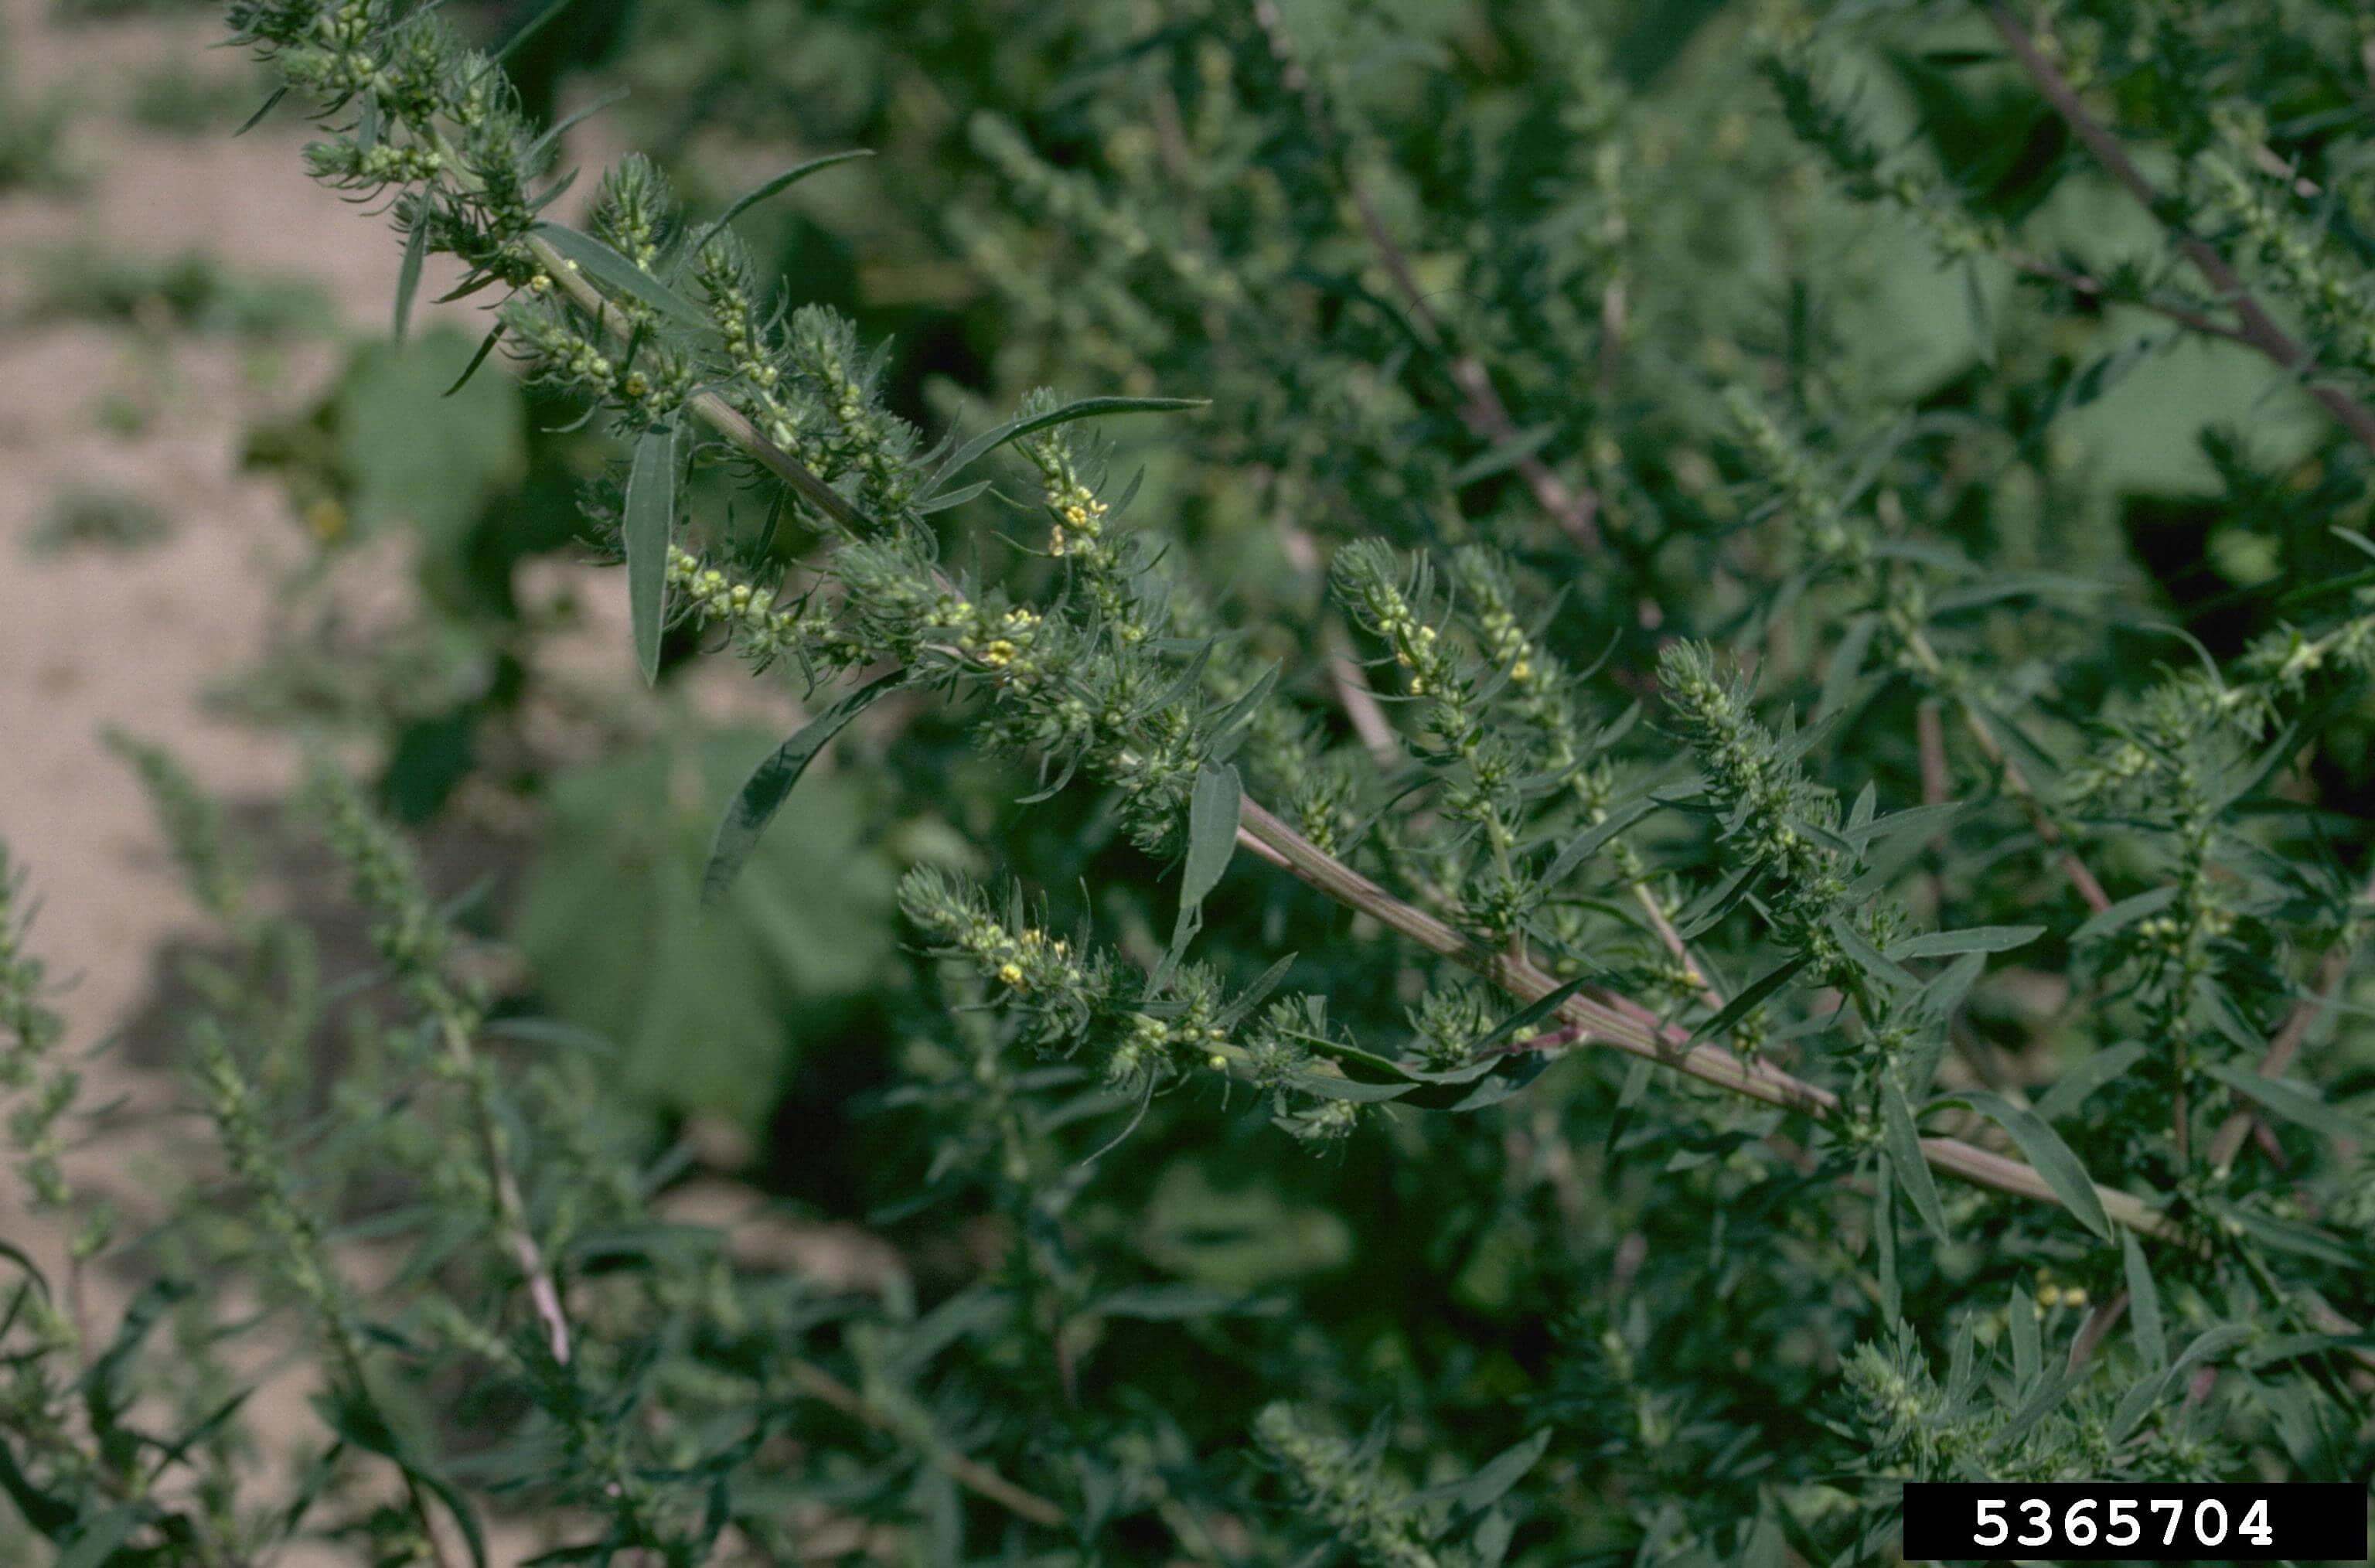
(95, 1544)
(2049, 1154)
(771, 783)
(650, 525)
(418, 448)
(711, 1006)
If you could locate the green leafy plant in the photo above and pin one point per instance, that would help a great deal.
(1648, 852)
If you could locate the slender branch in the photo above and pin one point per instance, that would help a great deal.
(1621, 1022)
(2256, 329)
(970, 1474)
(2332, 969)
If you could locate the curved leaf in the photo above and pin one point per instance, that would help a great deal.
(770, 785)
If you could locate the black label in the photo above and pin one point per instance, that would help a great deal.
(2109, 1522)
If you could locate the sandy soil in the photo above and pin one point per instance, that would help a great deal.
(90, 637)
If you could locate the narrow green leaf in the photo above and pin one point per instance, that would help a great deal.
(770, 783)
(1213, 807)
(1846, 663)
(1751, 998)
(1501, 1472)
(2125, 912)
(2144, 1304)
(1884, 1238)
(1588, 842)
(262, 110)
(535, 24)
(1525, 1018)
(562, 128)
(616, 275)
(775, 186)
(2147, 1391)
(2088, 1076)
(1085, 408)
(1500, 458)
(1213, 810)
(649, 524)
(408, 278)
(2292, 1101)
(486, 346)
(1902, 1138)
(2027, 1346)
(1869, 958)
(2052, 1158)
(1971, 939)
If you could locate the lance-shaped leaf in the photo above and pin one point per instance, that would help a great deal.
(1902, 1138)
(1972, 940)
(1085, 408)
(770, 785)
(775, 186)
(408, 278)
(2290, 1101)
(1212, 808)
(649, 524)
(2144, 1304)
(2049, 1154)
(616, 274)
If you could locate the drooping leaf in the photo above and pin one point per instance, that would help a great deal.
(2049, 1154)
(771, 783)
